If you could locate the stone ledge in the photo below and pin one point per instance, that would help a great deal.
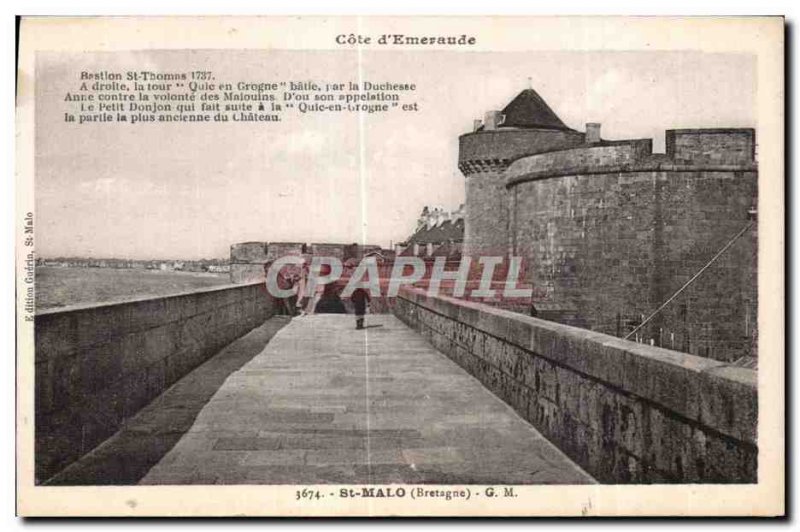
(714, 130)
(513, 180)
(188, 293)
(68, 329)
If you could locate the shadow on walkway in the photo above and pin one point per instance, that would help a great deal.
(129, 454)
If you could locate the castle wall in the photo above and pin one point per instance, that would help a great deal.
(483, 157)
(514, 143)
(331, 250)
(610, 233)
(731, 146)
(584, 159)
(248, 258)
(276, 250)
(486, 219)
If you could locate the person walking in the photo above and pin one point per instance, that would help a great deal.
(302, 288)
(360, 298)
(286, 281)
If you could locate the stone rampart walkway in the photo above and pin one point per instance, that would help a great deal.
(324, 403)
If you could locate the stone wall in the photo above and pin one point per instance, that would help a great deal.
(586, 158)
(728, 146)
(486, 218)
(98, 365)
(247, 262)
(483, 157)
(339, 251)
(248, 258)
(625, 412)
(608, 248)
(510, 144)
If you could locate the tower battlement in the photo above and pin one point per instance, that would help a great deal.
(719, 145)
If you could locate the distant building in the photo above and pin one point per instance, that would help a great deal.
(439, 234)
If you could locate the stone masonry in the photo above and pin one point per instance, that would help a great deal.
(625, 412)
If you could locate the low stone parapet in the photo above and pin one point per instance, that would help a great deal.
(626, 412)
(98, 365)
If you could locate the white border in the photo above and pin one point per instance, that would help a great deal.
(238, 7)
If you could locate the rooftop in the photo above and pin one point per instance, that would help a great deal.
(446, 231)
(529, 110)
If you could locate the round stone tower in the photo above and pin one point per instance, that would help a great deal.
(614, 237)
(526, 126)
(611, 231)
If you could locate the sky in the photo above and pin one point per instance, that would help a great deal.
(191, 190)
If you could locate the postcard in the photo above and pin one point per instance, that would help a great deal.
(400, 266)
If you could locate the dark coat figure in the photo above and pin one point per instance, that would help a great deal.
(360, 298)
(286, 305)
(330, 302)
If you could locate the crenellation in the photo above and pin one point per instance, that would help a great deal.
(728, 146)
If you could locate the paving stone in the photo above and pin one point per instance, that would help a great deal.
(247, 444)
(293, 457)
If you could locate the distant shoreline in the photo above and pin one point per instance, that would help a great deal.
(60, 286)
